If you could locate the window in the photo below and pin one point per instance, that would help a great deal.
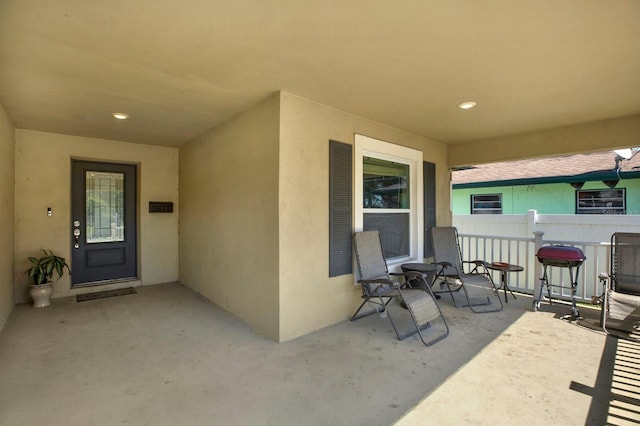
(388, 195)
(486, 204)
(601, 201)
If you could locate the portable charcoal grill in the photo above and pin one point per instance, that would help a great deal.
(563, 257)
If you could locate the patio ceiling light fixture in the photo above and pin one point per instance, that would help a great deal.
(120, 115)
(467, 105)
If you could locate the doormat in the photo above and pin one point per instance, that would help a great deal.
(105, 294)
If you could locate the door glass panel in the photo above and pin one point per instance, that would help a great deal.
(105, 206)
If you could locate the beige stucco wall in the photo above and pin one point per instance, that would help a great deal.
(6, 216)
(623, 132)
(43, 179)
(254, 213)
(229, 216)
(309, 299)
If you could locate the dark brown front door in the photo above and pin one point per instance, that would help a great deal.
(103, 222)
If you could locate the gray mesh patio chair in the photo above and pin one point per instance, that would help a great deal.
(477, 285)
(621, 286)
(414, 309)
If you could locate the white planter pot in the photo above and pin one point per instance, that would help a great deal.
(41, 295)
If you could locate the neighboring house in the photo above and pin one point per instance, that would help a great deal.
(598, 183)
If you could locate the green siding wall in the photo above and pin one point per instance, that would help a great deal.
(552, 198)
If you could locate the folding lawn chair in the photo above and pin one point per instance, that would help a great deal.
(474, 285)
(384, 295)
(621, 286)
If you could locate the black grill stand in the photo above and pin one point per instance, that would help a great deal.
(571, 264)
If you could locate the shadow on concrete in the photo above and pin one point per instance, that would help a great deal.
(615, 396)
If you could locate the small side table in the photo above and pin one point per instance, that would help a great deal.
(504, 269)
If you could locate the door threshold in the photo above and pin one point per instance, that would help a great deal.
(105, 282)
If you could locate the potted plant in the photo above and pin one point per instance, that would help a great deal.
(41, 274)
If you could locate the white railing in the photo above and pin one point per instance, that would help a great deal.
(515, 239)
(522, 251)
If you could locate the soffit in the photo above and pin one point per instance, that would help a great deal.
(180, 68)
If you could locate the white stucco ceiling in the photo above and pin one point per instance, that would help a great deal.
(179, 68)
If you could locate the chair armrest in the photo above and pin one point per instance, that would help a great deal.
(443, 266)
(379, 286)
(606, 281)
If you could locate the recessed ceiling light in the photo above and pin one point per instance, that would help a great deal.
(120, 115)
(467, 105)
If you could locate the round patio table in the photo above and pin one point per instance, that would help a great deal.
(504, 269)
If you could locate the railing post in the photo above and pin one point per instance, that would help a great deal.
(537, 270)
(532, 220)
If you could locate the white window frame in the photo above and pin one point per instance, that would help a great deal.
(370, 147)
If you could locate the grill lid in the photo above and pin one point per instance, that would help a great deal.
(560, 252)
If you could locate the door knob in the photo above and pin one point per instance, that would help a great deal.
(76, 234)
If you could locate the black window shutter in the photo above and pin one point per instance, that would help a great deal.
(340, 214)
(429, 177)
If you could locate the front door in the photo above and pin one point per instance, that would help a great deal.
(103, 222)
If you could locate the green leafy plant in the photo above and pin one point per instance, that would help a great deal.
(44, 267)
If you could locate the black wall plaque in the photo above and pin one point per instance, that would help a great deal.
(160, 207)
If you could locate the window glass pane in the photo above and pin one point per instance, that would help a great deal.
(394, 232)
(104, 206)
(486, 204)
(385, 184)
(601, 201)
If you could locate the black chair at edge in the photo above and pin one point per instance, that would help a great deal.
(621, 286)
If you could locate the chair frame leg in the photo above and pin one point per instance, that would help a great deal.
(368, 299)
(605, 304)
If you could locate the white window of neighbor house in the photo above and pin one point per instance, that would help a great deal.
(388, 197)
(486, 204)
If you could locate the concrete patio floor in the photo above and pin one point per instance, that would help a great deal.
(167, 356)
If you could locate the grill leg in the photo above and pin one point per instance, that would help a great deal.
(544, 281)
(574, 289)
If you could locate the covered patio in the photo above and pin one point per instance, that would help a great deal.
(167, 355)
(233, 107)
